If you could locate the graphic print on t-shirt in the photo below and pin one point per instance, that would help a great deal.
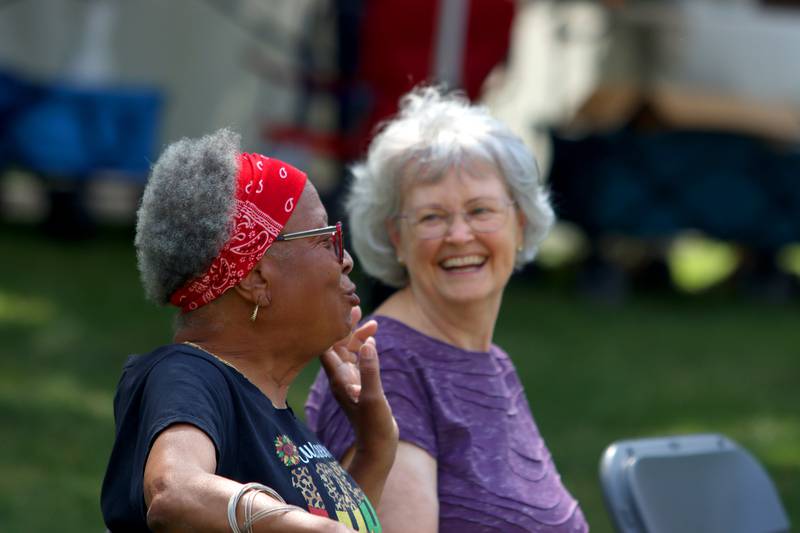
(352, 506)
(302, 481)
(286, 450)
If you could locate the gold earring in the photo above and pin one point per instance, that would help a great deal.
(520, 248)
(400, 260)
(255, 314)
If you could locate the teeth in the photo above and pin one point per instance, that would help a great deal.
(469, 260)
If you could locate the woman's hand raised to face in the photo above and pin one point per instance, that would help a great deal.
(354, 373)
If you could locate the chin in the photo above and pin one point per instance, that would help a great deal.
(466, 295)
(462, 302)
(347, 325)
(345, 331)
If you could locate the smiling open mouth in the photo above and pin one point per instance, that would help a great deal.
(463, 263)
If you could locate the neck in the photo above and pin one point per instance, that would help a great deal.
(259, 357)
(467, 326)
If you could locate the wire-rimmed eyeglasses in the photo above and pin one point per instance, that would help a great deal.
(334, 231)
(482, 215)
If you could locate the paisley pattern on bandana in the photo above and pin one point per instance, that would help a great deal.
(266, 195)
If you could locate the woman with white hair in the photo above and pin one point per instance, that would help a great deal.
(446, 205)
(205, 440)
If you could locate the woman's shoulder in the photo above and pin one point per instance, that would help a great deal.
(390, 326)
(398, 341)
(401, 344)
(392, 333)
(178, 354)
(173, 362)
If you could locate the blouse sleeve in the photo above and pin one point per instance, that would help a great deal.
(406, 389)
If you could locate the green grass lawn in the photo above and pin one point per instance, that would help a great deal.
(71, 312)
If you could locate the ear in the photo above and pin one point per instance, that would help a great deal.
(255, 287)
(521, 221)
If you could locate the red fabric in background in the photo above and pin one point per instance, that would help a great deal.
(398, 40)
(395, 52)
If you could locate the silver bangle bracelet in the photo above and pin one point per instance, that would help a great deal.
(249, 517)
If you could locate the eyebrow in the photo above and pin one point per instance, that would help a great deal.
(440, 206)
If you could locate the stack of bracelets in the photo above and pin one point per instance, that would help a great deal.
(249, 517)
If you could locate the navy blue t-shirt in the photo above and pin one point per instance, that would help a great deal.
(254, 441)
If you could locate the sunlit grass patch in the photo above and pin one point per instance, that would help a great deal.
(56, 391)
(25, 310)
(772, 438)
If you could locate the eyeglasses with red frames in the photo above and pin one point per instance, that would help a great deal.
(334, 231)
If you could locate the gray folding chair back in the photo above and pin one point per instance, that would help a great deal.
(703, 483)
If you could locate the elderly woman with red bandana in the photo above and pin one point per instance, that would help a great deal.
(204, 438)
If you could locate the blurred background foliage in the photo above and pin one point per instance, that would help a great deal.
(661, 363)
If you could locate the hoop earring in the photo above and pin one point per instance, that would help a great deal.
(254, 315)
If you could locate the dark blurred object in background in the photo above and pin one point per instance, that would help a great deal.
(781, 3)
(655, 177)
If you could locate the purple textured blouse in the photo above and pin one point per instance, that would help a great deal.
(469, 411)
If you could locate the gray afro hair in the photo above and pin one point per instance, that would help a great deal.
(186, 213)
(432, 133)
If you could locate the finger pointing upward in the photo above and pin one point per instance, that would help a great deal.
(370, 370)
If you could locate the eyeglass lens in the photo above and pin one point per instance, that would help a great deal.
(338, 243)
(484, 215)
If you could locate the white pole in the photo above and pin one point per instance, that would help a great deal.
(450, 40)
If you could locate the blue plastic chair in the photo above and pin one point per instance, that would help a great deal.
(704, 483)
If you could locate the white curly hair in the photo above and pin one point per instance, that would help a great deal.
(434, 132)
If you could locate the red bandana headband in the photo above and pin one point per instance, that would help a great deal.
(267, 192)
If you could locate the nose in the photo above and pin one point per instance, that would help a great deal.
(459, 231)
(347, 262)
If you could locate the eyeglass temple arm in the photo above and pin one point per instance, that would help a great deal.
(308, 233)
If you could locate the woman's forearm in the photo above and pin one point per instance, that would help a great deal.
(200, 502)
(182, 493)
